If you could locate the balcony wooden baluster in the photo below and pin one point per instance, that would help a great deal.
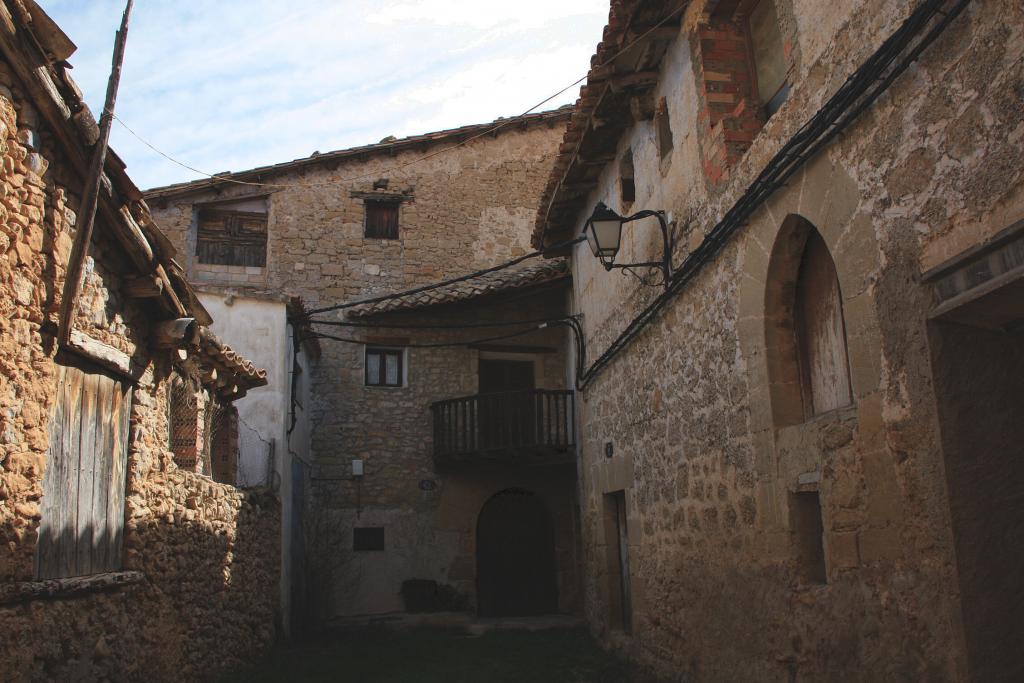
(530, 427)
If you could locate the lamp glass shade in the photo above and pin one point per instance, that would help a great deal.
(604, 231)
(606, 237)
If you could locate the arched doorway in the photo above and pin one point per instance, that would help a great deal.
(515, 557)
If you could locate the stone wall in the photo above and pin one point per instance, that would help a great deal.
(199, 559)
(710, 474)
(431, 534)
(465, 209)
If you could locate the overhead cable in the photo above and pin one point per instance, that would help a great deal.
(445, 283)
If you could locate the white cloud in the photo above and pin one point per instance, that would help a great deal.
(481, 15)
(234, 84)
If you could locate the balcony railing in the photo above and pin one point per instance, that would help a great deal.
(535, 426)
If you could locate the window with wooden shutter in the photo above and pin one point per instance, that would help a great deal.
(232, 238)
(821, 330)
(82, 515)
(381, 220)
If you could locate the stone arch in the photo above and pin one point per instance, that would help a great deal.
(805, 331)
(825, 196)
(517, 572)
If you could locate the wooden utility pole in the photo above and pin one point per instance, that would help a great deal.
(91, 191)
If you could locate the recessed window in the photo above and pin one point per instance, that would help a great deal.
(384, 367)
(231, 237)
(663, 129)
(808, 531)
(368, 538)
(768, 56)
(381, 220)
(627, 184)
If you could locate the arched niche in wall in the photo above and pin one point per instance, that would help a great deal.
(805, 328)
(824, 198)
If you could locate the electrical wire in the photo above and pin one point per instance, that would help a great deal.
(450, 281)
(862, 88)
(411, 162)
(436, 345)
(438, 326)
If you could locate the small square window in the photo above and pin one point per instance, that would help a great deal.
(384, 367)
(368, 538)
(381, 220)
(627, 185)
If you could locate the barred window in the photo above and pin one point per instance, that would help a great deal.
(183, 421)
(222, 450)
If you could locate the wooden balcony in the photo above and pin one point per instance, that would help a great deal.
(534, 427)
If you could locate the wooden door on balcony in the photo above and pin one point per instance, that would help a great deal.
(506, 420)
(515, 546)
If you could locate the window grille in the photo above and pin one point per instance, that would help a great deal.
(221, 452)
(183, 421)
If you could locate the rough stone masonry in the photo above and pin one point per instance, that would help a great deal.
(195, 585)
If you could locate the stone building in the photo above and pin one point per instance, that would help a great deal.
(123, 555)
(800, 450)
(385, 510)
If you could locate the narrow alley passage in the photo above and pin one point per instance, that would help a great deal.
(444, 654)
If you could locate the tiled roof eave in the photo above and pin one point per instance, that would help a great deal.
(618, 92)
(495, 283)
(389, 147)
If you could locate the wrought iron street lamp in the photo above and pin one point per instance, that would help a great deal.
(604, 235)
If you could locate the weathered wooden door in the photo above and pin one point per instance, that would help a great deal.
(516, 571)
(625, 599)
(84, 487)
(506, 418)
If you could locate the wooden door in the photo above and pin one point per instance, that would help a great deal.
(506, 418)
(82, 516)
(622, 602)
(516, 570)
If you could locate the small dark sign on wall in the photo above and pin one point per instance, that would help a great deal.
(427, 484)
(368, 538)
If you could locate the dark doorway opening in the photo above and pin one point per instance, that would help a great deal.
(507, 416)
(515, 550)
(979, 383)
(498, 376)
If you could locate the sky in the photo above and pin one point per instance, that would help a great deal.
(226, 85)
